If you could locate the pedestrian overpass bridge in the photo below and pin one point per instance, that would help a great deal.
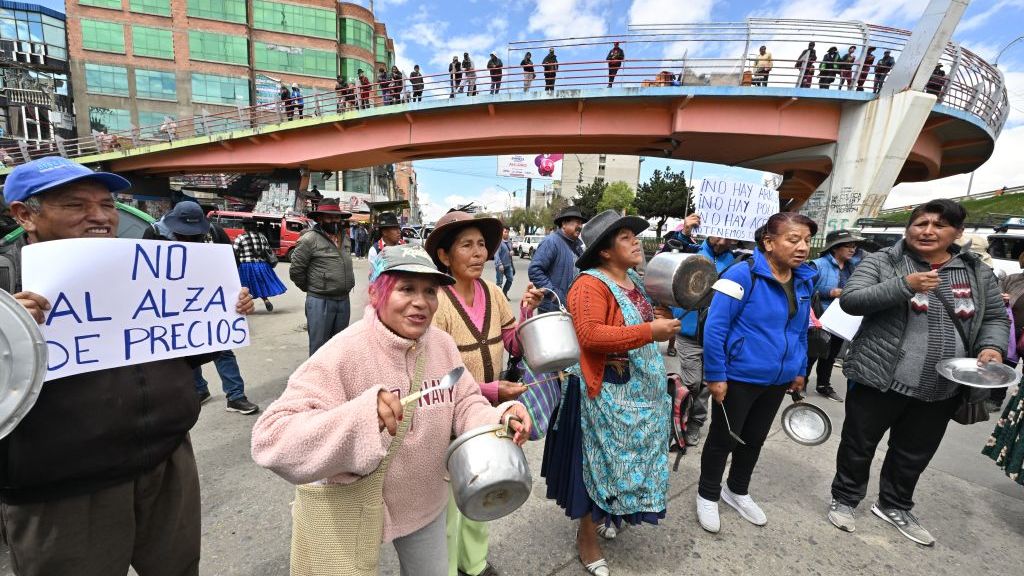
(704, 109)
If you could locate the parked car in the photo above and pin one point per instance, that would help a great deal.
(282, 231)
(526, 247)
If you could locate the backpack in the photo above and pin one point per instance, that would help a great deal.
(681, 401)
(702, 314)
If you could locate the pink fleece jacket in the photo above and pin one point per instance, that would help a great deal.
(324, 425)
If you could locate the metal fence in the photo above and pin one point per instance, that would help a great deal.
(704, 54)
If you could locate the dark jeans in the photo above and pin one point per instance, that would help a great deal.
(495, 83)
(823, 375)
(325, 317)
(230, 376)
(915, 431)
(507, 275)
(549, 81)
(150, 522)
(613, 69)
(751, 410)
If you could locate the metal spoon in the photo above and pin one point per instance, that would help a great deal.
(447, 382)
(728, 426)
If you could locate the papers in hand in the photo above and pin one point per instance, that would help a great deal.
(836, 321)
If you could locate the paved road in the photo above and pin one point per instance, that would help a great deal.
(975, 512)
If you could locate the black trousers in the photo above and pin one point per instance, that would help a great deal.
(613, 69)
(751, 410)
(823, 375)
(915, 431)
(549, 81)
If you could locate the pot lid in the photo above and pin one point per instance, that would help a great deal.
(22, 362)
(806, 424)
(469, 435)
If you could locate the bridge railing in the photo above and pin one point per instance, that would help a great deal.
(705, 54)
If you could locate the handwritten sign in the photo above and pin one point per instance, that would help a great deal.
(116, 302)
(734, 209)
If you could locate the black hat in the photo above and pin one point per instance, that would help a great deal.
(601, 227)
(569, 212)
(187, 219)
(388, 220)
(838, 237)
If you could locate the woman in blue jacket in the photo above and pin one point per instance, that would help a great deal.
(755, 351)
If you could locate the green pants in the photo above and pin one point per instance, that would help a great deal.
(467, 542)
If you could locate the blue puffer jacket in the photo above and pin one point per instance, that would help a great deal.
(554, 266)
(755, 340)
(828, 275)
(688, 318)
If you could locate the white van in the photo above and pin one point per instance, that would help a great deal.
(1006, 246)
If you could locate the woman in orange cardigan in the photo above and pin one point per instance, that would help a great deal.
(606, 458)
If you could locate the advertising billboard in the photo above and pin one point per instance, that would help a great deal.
(545, 166)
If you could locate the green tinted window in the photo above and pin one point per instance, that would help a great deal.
(158, 7)
(115, 4)
(357, 33)
(103, 36)
(155, 85)
(225, 10)
(150, 122)
(225, 90)
(109, 119)
(152, 42)
(100, 79)
(296, 60)
(350, 68)
(294, 19)
(382, 49)
(217, 47)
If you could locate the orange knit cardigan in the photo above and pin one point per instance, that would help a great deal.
(600, 328)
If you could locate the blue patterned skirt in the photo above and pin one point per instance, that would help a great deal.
(260, 279)
(562, 467)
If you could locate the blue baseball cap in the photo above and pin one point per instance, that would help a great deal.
(45, 174)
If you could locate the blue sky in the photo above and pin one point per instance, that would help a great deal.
(429, 33)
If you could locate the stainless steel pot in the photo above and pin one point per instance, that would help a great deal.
(22, 363)
(549, 340)
(680, 280)
(488, 471)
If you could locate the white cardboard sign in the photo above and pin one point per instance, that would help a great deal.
(117, 302)
(836, 321)
(734, 210)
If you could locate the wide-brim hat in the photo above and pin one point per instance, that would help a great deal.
(330, 208)
(452, 222)
(187, 219)
(599, 229)
(569, 212)
(408, 258)
(838, 237)
(388, 220)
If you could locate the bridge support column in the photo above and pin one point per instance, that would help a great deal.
(874, 141)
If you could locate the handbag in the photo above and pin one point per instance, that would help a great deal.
(819, 341)
(970, 408)
(541, 399)
(270, 257)
(337, 529)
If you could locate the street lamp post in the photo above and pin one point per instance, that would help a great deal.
(995, 64)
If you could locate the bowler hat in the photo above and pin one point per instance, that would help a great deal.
(388, 220)
(330, 207)
(599, 229)
(569, 212)
(454, 221)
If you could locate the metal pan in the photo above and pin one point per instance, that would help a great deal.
(967, 372)
(806, 424)
(22, 363)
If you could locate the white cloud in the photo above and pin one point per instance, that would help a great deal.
(669, 11)
(432, 35)
(568, 18)
(1000, 8)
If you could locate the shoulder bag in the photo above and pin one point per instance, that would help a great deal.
(970, 408)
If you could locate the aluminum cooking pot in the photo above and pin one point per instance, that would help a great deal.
(680, 280)
(22, 363)
(489, 473)
(549, 340)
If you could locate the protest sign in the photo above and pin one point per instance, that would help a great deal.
(734, 209)
(116, 302)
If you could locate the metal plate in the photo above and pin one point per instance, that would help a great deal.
(22, 363)
(806, 424)
(967, 372)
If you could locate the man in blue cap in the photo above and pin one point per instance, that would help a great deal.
(100, 475)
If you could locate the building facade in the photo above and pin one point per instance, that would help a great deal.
(584, 168)
(35, 102)
(142, 62)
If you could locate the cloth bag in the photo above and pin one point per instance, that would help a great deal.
(970, 408)
(337, 529)
(541, 399)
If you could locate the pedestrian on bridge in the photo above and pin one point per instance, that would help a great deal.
(494, 68)
(882, 69)
(805, 64)
(397, 85)
(297, 100)
(829, 67)
(384, 85)
(922, 301)
(455, 76)
(528, 71)
(614, 58)
(550, 64)
(365, 90)
(869, 60)
(846, 64)
(762, 67)
(416, 81)
(286, 101)
(470, 73)
(936, 81)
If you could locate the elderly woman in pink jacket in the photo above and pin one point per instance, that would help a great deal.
(368, 470)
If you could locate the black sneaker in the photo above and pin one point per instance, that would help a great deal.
(243, 406)
(204, 397)
(268, 305)
(830, 393)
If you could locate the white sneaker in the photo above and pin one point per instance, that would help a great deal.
(746, 506)
(707, 515)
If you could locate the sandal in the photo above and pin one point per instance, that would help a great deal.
(607, 532)
(598, 568)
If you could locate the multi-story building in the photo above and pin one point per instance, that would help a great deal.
(35, 102)
(140, 62)
(584, 168)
